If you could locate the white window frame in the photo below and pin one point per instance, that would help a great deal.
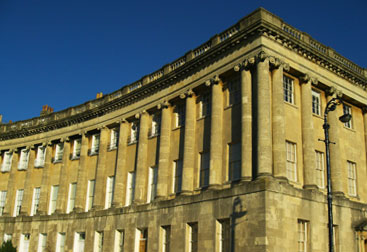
(152, 183)
(79, 242)
(23, 159)
(24, 242)
(134, 132)
(95, 144)
(40, 157)
(130, 188)
(18, 202)
(156, 124)
(53, 199)
(205, 105)
(352, 178)
(138, 238)
(119, 241)
(35, 200)
(291, 166)
(316, 103)
(348, 110)
(165, 239)
(221, 239)
(98, 241)
(109, 191)
(60, 242)
(77, 146)
(177, 176)
(71, 197)
(288, 89)
(59, 152)
(114, 139)
(190, 236)
(7, 161)
(2, 201)
(302, 231)
(42, 242)
(90, 194)
(320, 169)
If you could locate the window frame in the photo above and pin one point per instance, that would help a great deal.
(352, 178)
(7, 161)
(3, 195)
(288, 89)
(18, 202)
(90, 194)
(39, 161)
(316, 102)
(291, 163)
(53, 199)
(110, 186)
(35, 200)
(348, 109)
(23, 159)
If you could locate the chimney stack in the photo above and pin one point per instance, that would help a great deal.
(46, 110)
(99, 95)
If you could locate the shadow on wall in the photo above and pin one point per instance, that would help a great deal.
(237, 212)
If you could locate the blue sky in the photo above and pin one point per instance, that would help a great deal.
(62, 53)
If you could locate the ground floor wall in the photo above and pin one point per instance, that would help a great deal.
(263, 215)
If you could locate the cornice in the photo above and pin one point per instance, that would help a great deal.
(259, 23)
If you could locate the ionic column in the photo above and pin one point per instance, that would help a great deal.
(62, 197)
(246, 118)
(264, 138)
(335, 161)
(11, 190)
(99, 196)
(82, 184)
(216, 131)
(189, 143)
(308, 139)
(121, 171)
(278, 120)
(28, 190)
(164, 150)
(45, 188)
(141, 162)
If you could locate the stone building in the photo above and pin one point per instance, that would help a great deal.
(216, 151)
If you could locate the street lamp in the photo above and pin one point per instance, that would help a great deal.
(331, 106)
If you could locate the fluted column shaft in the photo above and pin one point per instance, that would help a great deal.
(335, 161)
(121, 171)
(141, 165)
(45, 188)
(99, 198)
(246, 124)
(278, 123)
(308, 146)
(189, 145)
(81, 187)
(11, 191)
(216, 131)
(63, 184)
(164, 152)
(264, 139)
(28, 190)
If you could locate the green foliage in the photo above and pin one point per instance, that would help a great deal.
(7, 247)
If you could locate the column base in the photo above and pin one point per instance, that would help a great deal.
(214, 187)
(310, 187)
(78, 210)
(186, 193)
(261, 175)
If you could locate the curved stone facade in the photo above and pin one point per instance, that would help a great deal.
(217, 151)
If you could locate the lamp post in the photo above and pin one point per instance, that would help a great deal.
(331, 106)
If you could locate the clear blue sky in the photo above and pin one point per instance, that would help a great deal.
(62, 53)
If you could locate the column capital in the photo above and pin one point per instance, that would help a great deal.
(306, 78)
(64, 139)
(364, 109)
(138, 115)
(212, 81)
(122, 120)
(245, 65)
(262, 56)
(188, 93)
(333, 91)
(163, 105)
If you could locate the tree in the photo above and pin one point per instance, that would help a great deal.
(7, 247)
